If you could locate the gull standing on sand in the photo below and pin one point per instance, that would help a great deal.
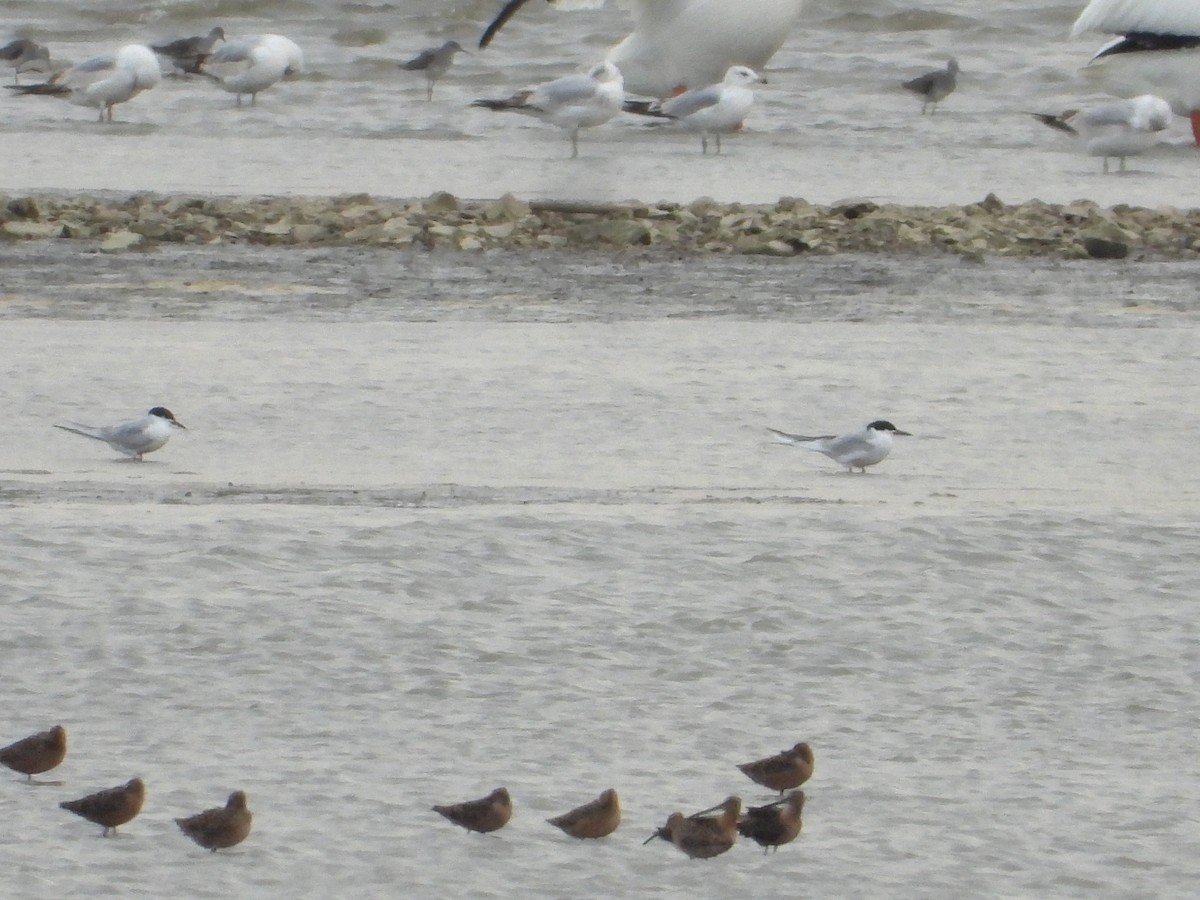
(1118, 129)
(1157, 51)
(253, 64)
(571, 102)
(712, 111)
(102, 81)
(24, 55)
(855, 449)
(434, 62)
(678, 45)
(133, 437)
(934, 87)
(188, 54)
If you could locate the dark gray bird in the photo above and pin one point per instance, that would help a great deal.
(37, 753)
(434, 62)
(221, 827)
(23, 55)
(188, 54)
(775, 824)
(935, 86)
(112, 807)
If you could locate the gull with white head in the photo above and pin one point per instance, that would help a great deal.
(571, 102)
(710, 111)
(102, 81)
(253, 64)
(1117, 129)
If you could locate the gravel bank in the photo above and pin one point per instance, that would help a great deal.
(1077, 230)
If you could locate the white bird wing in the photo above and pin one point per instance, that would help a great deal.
(230, 53)
(1145, 113)
(566, 91)
(88, 72)
(1180, 17)
(691, 102)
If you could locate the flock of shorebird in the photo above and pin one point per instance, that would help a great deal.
(699, 835)
(699, 57)
(214, 829)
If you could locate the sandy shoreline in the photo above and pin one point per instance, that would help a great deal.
(1078, 230)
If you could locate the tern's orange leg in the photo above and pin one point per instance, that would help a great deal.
(1195, 117)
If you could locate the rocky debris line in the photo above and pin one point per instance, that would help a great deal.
(789, 227)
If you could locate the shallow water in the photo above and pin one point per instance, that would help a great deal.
(833, 123)
(446, 522)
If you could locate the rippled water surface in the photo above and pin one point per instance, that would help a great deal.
(442, 523)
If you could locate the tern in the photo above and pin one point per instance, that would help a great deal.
(133, 437)
(855, 449)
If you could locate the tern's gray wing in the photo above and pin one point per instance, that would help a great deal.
(844, 444)
(690, 102)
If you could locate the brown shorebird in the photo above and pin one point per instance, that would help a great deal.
(37, 753)
(434, 62)
(596, 819)
(934, 87)
(774, 824)
(489, 813)
(224, 826)
(701, 836)
(188, 54)
(24, 54)
(110, 808)
(783, 771)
